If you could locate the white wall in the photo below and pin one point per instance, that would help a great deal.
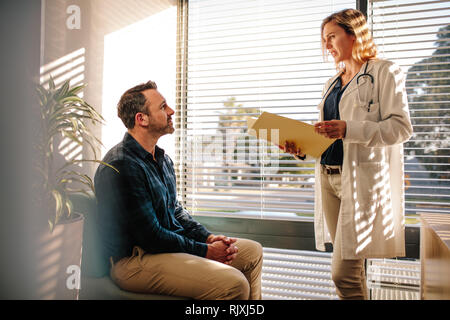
(143, 51)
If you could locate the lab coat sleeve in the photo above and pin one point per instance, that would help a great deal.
(394, 125)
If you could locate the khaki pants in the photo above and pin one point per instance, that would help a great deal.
(348, 275)
(186, 275)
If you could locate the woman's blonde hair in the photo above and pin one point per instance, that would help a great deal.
(354, 23)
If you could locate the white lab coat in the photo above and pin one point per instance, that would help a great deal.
(371, 218)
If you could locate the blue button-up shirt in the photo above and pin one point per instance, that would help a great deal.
(335, 152)
(139, 206)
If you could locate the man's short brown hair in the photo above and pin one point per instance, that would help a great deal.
(132, 102)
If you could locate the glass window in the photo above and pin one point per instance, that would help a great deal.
(237, 59)
(416, 35)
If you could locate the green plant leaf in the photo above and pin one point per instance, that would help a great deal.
(64, 114)
(62, 91)
(76, 89)
(74, 122)
(69, 207)
(102, 162)
(78, 191)
(51, 83)
(59, 204)
(51, 225)
(71, 176)
(72, 137)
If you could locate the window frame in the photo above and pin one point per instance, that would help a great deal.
(258, 229)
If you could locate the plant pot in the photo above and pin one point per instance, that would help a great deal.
(59, 260)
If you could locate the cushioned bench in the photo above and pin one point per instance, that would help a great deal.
(95, 281)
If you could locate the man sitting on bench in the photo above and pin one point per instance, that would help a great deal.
(153, 244)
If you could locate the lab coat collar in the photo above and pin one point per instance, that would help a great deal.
(330, 85)
(353, 84)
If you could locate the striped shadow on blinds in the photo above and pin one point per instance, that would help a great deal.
(297, 275)
(236, 59)
(416, 35)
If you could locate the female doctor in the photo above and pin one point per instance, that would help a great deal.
(359, 194)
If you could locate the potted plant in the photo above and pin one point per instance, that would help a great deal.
(63, 115)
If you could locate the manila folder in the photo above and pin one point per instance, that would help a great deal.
(291, 130)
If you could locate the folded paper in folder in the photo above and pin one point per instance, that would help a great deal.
(278, 130)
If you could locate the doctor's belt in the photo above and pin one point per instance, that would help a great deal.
(328, 169)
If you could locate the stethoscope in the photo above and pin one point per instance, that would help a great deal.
(367, 75)
(367, 101)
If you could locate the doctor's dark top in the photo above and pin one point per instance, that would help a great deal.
(334, 154)
(138, 206)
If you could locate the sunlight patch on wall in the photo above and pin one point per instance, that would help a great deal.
(70, 66)
(143, 51)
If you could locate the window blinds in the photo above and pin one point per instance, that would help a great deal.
(416, 35)
(236, 59)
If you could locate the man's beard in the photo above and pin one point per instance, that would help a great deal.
(170, 128)
(162, 130)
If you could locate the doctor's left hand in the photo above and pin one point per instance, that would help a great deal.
(333, 129)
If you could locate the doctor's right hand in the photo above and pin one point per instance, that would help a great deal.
(291, 147)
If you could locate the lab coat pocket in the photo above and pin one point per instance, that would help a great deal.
(367, 193)
(366, 112)
(370, 112)
(369, 155)
(373, 112)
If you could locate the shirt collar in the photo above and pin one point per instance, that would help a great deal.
(338, 83)
(136, 148)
